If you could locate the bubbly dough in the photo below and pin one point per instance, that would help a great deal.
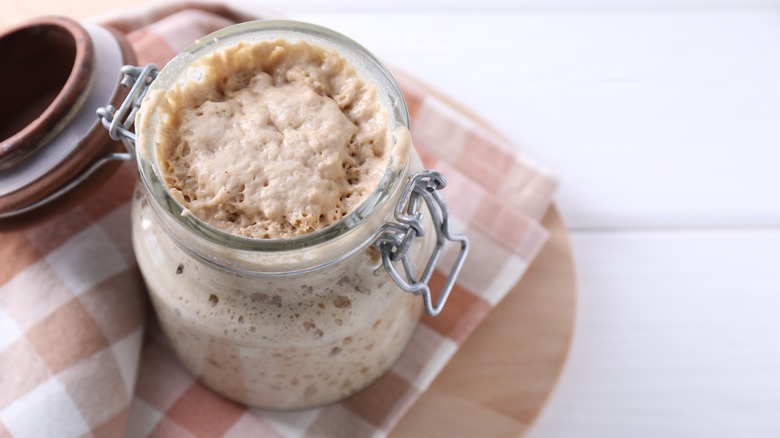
(277, 139)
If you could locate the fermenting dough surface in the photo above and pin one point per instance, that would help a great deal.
(277, 139)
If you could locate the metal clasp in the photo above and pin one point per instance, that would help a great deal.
(118, 122)
(395, 238)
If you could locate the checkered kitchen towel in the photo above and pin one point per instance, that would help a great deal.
(77, 358)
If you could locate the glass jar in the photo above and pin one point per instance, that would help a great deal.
(299, 322)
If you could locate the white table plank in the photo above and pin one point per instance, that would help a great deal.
(651, 118)
(677, 335)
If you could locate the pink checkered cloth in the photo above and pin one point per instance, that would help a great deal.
(77, 358)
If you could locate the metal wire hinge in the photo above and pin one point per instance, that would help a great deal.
(118, 122)
(396, 238)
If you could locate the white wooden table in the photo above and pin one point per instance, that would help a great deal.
(662, 120)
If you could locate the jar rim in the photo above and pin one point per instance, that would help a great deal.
(388, 91)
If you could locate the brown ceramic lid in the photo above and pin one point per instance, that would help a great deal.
(49, 133)
(51, 63)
